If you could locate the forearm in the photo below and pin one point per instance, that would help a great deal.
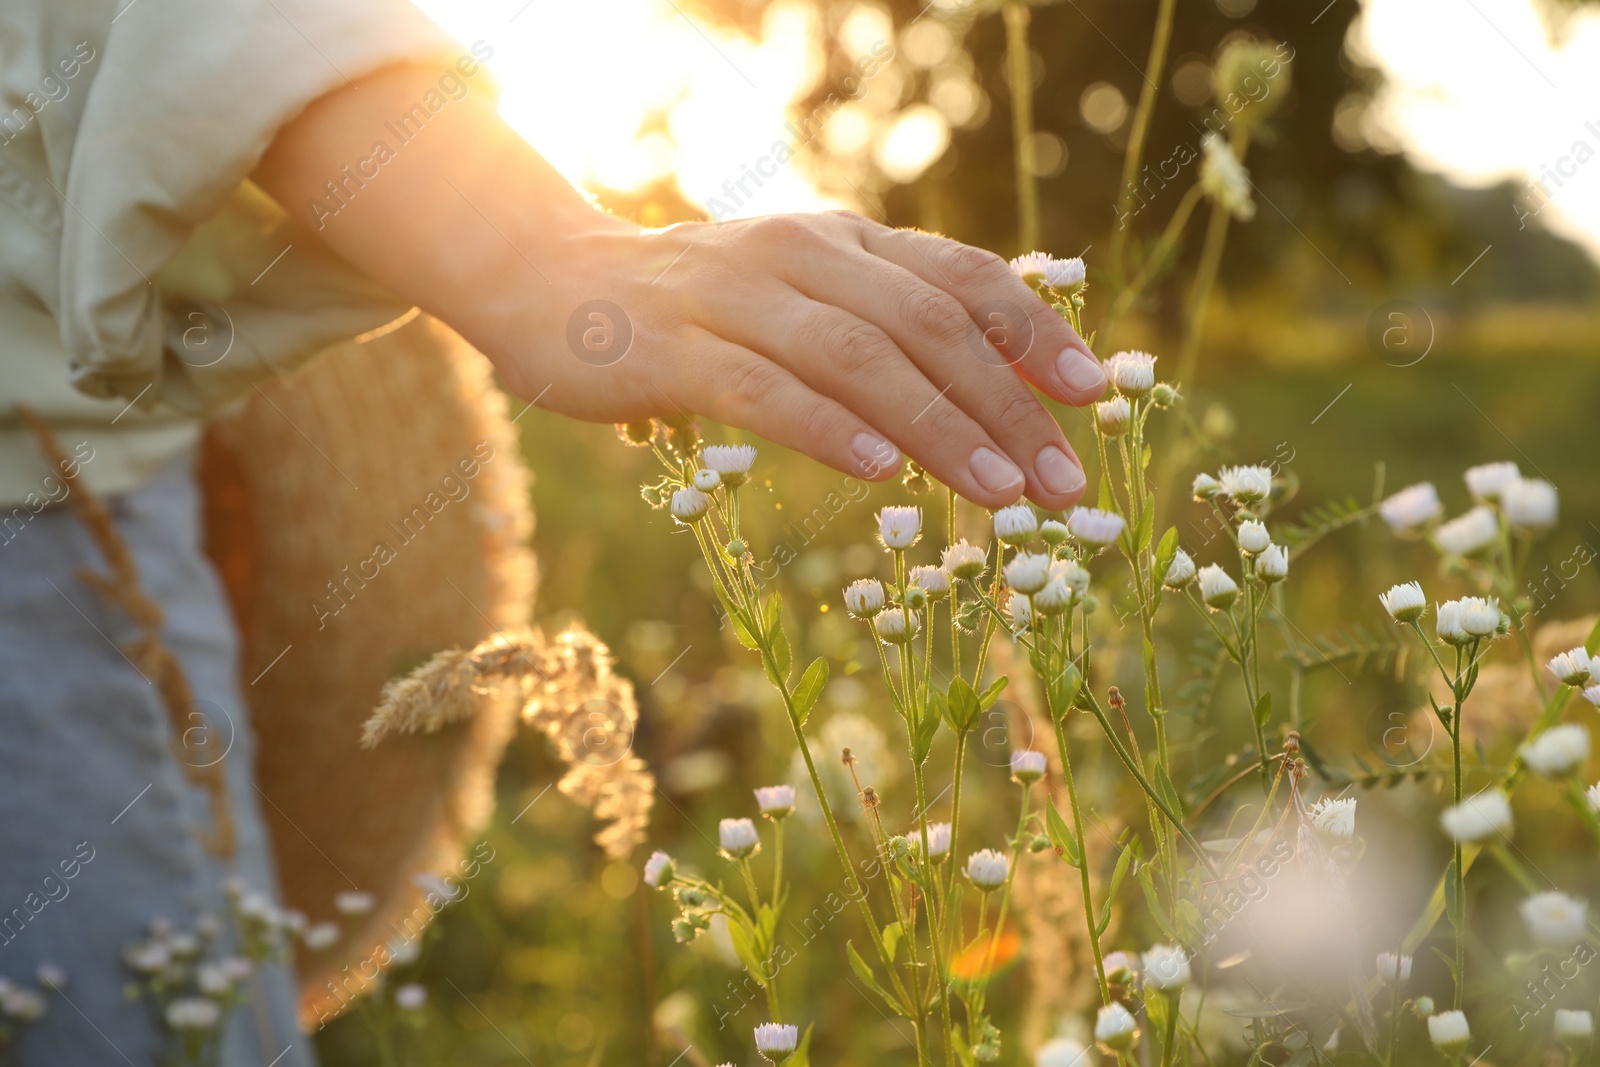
(464, 218)
(829, 333)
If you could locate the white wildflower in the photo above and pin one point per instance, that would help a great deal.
(731, 462)
(1113, 416)
(1027, 572)
(1486, 481)
(1217, 589)
(1531, 504)
(1572, 667)
(1180, 572)
(897, 626)
(1478, 816)
(899, 527)
(1449, 1032)
(1253, 537)
(1115, 1027)
(658, 869)
(1133, 373)
(864, 597)
(1405, 602)
(411, 997)
(1480, 616)
(1573, 1027)
(775, 801)
(776, 1041)
(321, 936)
(193, 1013)
(738, 837)
(1021, 614)
(1094, 527)
(23, 1005)
(1247, 485)
(706, 479)
(1468, 533)
(964, 561)
(1273, 564)
(1166, 968)
(1412, 508)
(1054, 598)
(1225, 179)
(1205, 487)
(988, 869)
(938, 840)
(1061, 1052)
(1015, 525)
(1555, 919)
(1335, 817)
(1027, 766)
(1558, 751)
(1394, 968)
(931, 580)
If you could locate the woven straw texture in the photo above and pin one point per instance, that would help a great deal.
(366, 513)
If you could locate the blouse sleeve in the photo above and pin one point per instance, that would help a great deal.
(181, 283)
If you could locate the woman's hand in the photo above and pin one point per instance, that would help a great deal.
(829, 334)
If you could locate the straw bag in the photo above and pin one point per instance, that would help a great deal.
(366, 513)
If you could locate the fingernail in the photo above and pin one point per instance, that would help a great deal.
(1081, 373)
(993, 471)
(875, 455)
(1057, 473)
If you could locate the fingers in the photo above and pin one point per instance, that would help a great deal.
(1026, 331)
(733, 385)
(937, 333)
(842, 356)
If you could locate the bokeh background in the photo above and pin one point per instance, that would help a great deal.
(1416, 292)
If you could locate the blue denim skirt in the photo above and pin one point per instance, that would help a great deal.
(100, 826)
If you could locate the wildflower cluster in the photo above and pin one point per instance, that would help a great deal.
(932, 614)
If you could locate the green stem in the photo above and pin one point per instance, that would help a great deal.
(1019, 79)
(1083, 861)
(1134, 156)
(1170, 1040)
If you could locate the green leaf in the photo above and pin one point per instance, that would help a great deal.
(781, 656)
(801, 1057)
(962, 706)
(771, 614)
(742, 632)
(1153, 899)
(1264, 711)
(1124, 862)
(744, 947)
(1063, 690)
(809, 689)
(927, 726)
(1147, 526)
(987, 698)
(1061, 836)
(1168, 791)
(963, 1053)
(891, 939)
(1452, 905)
(864, 973)
(1166, 552)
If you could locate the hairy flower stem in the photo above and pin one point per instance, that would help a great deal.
(1134, 156)
(981, 994)
(833, 829)
(1019, 81)
(1144, 782)
(1083, 858)
(1170, 1040)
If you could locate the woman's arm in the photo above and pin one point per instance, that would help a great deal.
(825, 333)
